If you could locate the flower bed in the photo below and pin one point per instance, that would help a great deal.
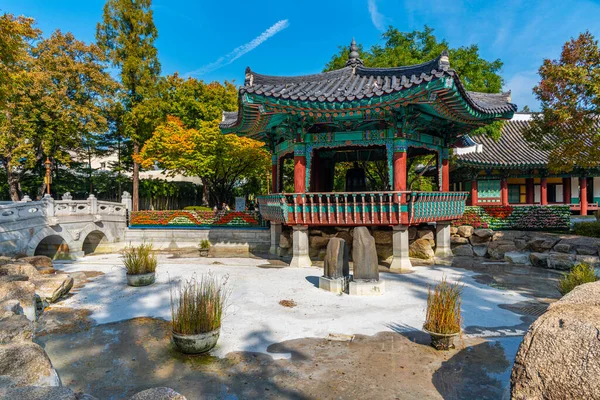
(517, 217)
(191, 218)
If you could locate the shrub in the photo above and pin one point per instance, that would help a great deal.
(197, 305)
(205, 244)
(579, 274)
(197, 208)
(139, 260)
(591, 229)
(443, 308)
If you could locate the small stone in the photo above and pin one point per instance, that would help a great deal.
(539, 260)
(498, 248)
(480, 250)
(455, 239)
(464, 250)
(421, 248)
(364, 255)
(483, 233)
(562, 247)
(541, 244)
(465, 231)
(159, 393)
(477, 240)
(586, 251)
(515, 257)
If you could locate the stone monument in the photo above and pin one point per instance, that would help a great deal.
(365, 279)
(336, 270)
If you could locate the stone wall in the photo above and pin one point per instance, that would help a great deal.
(544, 250)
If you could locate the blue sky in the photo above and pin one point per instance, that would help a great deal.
(216, 40)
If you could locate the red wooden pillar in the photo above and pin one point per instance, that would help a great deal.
(445, 175)
(400, 171)
(474, 199)
(529, 196)
(583, 195)
(544, 191)
(300, 174)
(504, 192)
(567, 190)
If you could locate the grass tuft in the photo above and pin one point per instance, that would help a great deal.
(197, 306)
(139, 259)
(443, 308)
(579, 274)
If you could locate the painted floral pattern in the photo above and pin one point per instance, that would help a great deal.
(196, 218)
(517, 217)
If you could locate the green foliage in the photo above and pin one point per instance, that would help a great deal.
(140, 259)
(533, 218)
(197, 208)
(591, 229)
(197, 306)
(569, 92)
(409, 48)
(205, 244)
(443, 308)
(579, 274)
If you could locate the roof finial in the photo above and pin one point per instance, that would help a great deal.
(444, 59)
(353, 57)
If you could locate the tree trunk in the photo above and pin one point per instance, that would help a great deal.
(13, 186)
(136, 179)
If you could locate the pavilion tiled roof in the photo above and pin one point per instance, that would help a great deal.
(510, 151)
(356, 82)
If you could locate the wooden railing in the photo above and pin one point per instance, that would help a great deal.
(361, 208)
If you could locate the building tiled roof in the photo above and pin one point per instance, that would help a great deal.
(356, 82)
(510, 151)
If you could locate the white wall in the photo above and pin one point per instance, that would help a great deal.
(559, 193)
(537, 198)
(574, 188)
(596, 186)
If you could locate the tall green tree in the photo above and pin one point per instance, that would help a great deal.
(55, 97)
(127, 34)
(569, 92)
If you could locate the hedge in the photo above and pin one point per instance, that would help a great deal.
(538, 217)
(192, 218)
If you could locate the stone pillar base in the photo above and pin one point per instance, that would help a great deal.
(401, 261)
(401, 265)
(366, 288)
(300, 261)
(333, 285)
(300, 247)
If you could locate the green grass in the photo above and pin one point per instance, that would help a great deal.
(139, 259)
(443, 308)
(197, 208)
(591, 229)
(579, 274)
(197, 306)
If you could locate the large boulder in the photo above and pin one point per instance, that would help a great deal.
(457, 240)
(421, 248)
(5, 260)
(285, 240)
(480, 239)
(426, 234)
(483, 233)
(517, 257)
(562, 247)
(582, 245)
(38, 261)
(558, 358)
(52, 288)
(383, 237)
(43, 393)
(27, 364)
(561, 261)
(498, 248)
(412, 232)
(20, 268)
(464, 250)
(15, 328)
(593, 261)
(539, 260)
(541, 244)
(364, 255)
(318, 242)
(159, 393)
(24, 293)
(465, 231)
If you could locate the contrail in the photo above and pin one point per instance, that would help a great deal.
(241, 50)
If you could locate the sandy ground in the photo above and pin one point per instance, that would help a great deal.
(255, 320)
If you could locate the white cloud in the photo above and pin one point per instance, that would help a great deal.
(241, 50)
(377, 18)
(521, 86)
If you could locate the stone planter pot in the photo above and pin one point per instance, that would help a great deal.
(442, 341)
(141, 279)
(203, 252)
(196, 344)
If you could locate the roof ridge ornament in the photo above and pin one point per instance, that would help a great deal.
(444, 59)
(353, 58)
(249, 80)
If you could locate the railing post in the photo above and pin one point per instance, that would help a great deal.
(25, 199)
(126, 200)
(49, 203)
(93, 202)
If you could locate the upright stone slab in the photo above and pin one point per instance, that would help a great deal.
(336, 269)
(365, 279)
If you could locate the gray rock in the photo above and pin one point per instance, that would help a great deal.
(412, 233)
(27, 365)
(383, 237)
(594, 261)
(541, 244)
(364, 255)
(52, 288)
(42, 393)
(465, 231)
(285, 240)
(318, 242)
(539, 260)
(516, 257)
(562, 247)
(38, 261)
(456, 240)
(464, 250)
(586, 251)
(336, 263)
(478, 240)
(426, 234)
(23, 292)
(483, 233)
(10, 307)
(15, 328)
(561, 261)
(498, 248)
(558, 358)
(480, 250)
(160, 393)
(421, 248)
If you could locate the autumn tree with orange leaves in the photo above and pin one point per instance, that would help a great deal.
(191, 143)
(569, 91)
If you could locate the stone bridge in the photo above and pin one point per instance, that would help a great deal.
(62, 228)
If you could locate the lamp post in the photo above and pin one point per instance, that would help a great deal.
(48, 178)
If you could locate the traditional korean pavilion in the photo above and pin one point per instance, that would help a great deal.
(510, 171)
(388, 114)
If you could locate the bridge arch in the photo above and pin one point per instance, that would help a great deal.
(93, 241)
(53, 246)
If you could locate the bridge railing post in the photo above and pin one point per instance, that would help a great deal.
(127, 202)
(93, 202)
(49, 203)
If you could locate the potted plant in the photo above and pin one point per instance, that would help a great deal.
(443, 314)
(140, 264)
(197, 307)
(204, 247)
